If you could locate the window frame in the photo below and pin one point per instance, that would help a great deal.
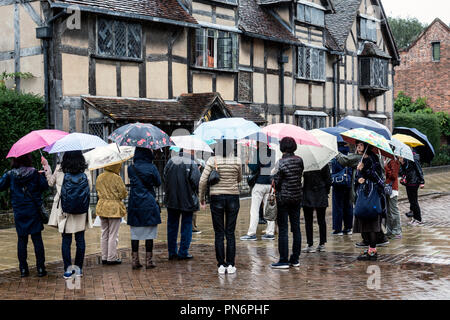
(366, 36)
(313, 53)
(372, 81)
(310, 8)
(433, 43)
(216, 43)
(115, 56)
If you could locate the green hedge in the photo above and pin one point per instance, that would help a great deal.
(428, 124)
(20, 113)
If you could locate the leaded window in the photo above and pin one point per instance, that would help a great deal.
(368, 29)
(311, 63)
(310, 15)
(119, 39)
(215, 49)
(374, 73)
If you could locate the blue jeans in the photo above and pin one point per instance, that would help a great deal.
(22, 242)
(65, 248)
(173, 220)
(289, 212)
(224, 212)
(342, 209)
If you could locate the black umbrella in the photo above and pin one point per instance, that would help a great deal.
(426, 151)
(142, 135)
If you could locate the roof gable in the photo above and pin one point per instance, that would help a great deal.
(425, 31)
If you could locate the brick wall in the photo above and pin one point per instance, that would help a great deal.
(419, 76)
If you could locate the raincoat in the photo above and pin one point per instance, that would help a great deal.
(111, 191)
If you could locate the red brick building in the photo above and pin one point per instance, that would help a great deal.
(425, 66)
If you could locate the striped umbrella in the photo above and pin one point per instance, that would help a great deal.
(76, 141)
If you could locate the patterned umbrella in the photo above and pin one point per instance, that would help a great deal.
(374, 139)
(76, 141)
(143, 135)
(353, 122)
(401, 149)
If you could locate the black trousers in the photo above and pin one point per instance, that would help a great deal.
(413, 194)
(309, 218)
(22, 242)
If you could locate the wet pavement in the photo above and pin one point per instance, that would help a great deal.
(414, 267)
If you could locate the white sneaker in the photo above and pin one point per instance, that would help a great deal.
(222, 269)
(231, 269)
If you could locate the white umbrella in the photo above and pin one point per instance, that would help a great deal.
(315, 158)
(108, 155)
(190, 142)
(76, 141)
(401, 149)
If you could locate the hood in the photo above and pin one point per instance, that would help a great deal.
(115, 168)
(23, 174)
(343, 149)
(144, 155)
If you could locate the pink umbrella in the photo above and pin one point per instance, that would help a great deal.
(300, 135)
(36, 139)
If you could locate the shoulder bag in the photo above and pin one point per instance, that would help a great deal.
(214, 176)
(368, 201)
(41, 209)
(270, 211)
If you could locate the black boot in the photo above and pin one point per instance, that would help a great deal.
(41, 272)
(24, 273)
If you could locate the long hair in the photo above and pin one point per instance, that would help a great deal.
(22, 161)
(73, 162)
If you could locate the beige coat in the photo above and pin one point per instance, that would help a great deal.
(230, 172)
(111, 191)
(66, 222)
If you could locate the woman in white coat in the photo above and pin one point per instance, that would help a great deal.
(67, 223)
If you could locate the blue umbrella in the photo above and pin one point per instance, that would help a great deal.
(335, 131)
(229, 129)
(76, 141)
(352, 122)
(426, 151)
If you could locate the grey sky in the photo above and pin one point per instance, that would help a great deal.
(424, 10)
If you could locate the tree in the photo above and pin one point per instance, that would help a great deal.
(405, 31)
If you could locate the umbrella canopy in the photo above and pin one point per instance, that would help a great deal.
(335, 131)
(76, 141)
(401, 149)
(108, 155)
(408, 140)
(426, 151)
(352, 122)
(191, 142)
(143, 135)
(35, 140)
(374, 139)
(315, 158)
(228, 129)
(278, 131)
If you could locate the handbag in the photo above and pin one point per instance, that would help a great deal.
(251, 179)
(388, 189)
(43, 213)
(214, 176)
(368, 201)
(341, 179)
(271, 210)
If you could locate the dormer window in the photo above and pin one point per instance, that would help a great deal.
(368, 29)
(311, 14)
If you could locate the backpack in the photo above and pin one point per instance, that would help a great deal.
(342, 178)
(75, 193)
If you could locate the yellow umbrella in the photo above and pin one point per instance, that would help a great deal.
(408, 140)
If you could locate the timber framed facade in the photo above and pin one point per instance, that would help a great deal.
(307, 63)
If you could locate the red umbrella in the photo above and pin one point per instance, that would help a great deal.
(35, 140)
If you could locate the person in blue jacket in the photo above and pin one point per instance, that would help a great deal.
(144, 213)
(26, 186)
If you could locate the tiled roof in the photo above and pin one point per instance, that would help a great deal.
(340, 23)
(256, 21)
(186, 108)
(165, 9)
(371, 49)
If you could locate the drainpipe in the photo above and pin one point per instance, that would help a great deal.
(281, 61)
(336, 91)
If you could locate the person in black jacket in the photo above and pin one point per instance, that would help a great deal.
(412, 179)
(144, 213)
(181, 178)
(26, 186)
(316, 187)
(287, 177)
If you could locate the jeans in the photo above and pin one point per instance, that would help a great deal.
(65, 248)
(224, 212)
(260, 193)
(393, 224)
(412, 193)
(173, 220)
(342, 209)
(291, 212)
(22, 242)
(309, 218)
